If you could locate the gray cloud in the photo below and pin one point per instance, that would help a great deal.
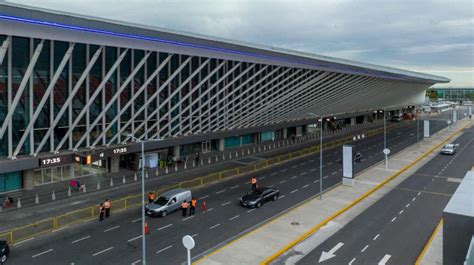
(433, 36)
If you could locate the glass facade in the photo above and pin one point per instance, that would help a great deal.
(454, 94)
(10, 181)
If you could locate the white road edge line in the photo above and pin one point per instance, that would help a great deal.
(60, 229)
(23, 241)
(44, 252)
(163, 227)
(163, 249)
(133, 239)
(102, 251)
(80, 239)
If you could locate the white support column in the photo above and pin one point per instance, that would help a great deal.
(4, 48)
(221, 144)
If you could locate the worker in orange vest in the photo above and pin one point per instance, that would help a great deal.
(254, 183)
(193, 206)
(184, 208)
(151, 197)
(107, 206)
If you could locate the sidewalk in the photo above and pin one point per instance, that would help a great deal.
(112, 186)
(323, 217)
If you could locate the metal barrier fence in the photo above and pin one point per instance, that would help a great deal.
(22, 233)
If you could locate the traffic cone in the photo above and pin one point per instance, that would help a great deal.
(147, 230)
(203, 206)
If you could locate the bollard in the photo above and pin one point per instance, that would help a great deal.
(37, 200)
(124, 180)
(223, 157)
(209, 160)
(157, 171)
(202, 162)
(53, 196)
(259, 148)
(18, 204)
(111, 182)
(194, 164)
(274, 146)
(242, 152)
(166, 169)
(236, 154)
(69, 191)
(175, 167)
(264, 148)
(185, 167)
(248, 151)
(217, 158)
(254, 149)
(135, 178)
(98, 185)
(84, 188)
(146, 174)
(230, 155)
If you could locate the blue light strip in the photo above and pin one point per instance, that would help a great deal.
(190, 45)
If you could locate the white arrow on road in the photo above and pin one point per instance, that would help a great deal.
(330, 254)
(384, 259)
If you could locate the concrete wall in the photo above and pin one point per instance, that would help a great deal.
(457, 233)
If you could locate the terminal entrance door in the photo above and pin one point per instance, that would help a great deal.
(206, 146)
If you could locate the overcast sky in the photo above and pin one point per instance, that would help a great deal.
(435, 37)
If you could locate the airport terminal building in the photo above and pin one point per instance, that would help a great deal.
(72, 85)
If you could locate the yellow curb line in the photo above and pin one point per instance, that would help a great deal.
(423, 252)
(344, 209)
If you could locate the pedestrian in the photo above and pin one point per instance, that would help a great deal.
(184, 208)
(254, 183)
(107, 206)
(101, 212)
(151, 197)
(196, 158)
(78, 185)
(193, 206)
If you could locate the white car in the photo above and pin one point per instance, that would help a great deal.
(449, 149)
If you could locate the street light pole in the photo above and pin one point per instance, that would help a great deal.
(385, 137)
(143, 205)
(417, 132)
(321, 161)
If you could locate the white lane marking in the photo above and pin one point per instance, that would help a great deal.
(166, 226)
(273, 174)
(334, 173)
(283, 170)
(282, 196)
(330, 163)
(312, 160)
(393, 219)
(313, 169)
(414, 198)
(163, 249)
(408, 205)
(263, 177)
(294, 166)
(400, 212)
(26, 240)
(305, 186)
(271, 186)
(102, 251)
(195, 235)
(316, 181)
(251, 210)
(384, 260)
(136, 262)
(375, 237)
(133, 239)
(234, 187)
(419, 193)
(60, 229)
(325, 177)
(80, 239)
(221, 191)
(184, 219)
(210, 209)
(44, 252)
(214, 226)
(110, 229)
(302, 173)
(232, 218)
(293, 177)
(136, 220)
(283, 181)
(352, 260)
(225, 203)
(302, 164)
(366, 246)
(203, 197)
(88, 220)
(293, 191)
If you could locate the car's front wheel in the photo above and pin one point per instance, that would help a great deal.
(3, 259)
(259, 204)
(275, 197)
(164, 213)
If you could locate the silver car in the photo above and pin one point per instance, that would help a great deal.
(449, 149)
(168, 202)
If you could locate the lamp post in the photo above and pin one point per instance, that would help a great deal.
(143, 192)
(320, 154)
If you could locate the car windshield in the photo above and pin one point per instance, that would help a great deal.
(161, 201)
(255, 193)
(449, 146)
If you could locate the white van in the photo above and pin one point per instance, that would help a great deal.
(168, 202)
(397, 117)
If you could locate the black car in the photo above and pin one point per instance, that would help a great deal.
(259, 196)
(4, 251)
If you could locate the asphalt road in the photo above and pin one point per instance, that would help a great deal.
(395, 229)
(117, 240)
